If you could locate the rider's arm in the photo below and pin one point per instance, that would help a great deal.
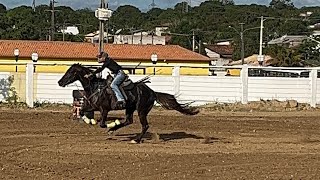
(100, 69)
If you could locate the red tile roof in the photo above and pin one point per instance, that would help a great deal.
(80, 50)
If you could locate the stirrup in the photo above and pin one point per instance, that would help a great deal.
(121, 104)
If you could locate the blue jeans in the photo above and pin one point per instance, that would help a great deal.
(118, 79)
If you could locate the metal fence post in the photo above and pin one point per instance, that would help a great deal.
(244, 84)
(313, 84)
(29, 84)
(176, 80)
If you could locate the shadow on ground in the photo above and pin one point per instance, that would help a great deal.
(166, 136)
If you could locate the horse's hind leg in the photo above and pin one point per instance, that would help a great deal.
(143, 120)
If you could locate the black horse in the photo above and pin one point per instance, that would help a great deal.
(139, 97)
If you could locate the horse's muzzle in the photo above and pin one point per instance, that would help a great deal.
(61, 84)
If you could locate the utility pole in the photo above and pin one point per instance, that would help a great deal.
(152, 36)
(103, 14)
(52, 29)
(187, 3)
(241, 38)
(101, 29)
(260, 56)
(153, 5)
(34, 5)
(193, 41)
(52, 20)
(242, 43)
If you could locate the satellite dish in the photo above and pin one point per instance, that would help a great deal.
(118, 31)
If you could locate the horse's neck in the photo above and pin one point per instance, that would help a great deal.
(86, 85)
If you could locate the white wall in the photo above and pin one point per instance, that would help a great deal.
(206, 89)
(279, 88)
(200, 89)
(47, 89)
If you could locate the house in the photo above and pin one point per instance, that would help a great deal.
(70, 30)
(136, 38)
(288, 40)
(140, 38)
(161, 30)
(135, 58)
(94, 37)
(219, 54)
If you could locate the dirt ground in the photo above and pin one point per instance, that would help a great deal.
(48, 144)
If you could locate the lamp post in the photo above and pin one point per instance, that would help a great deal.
(241, 38)
(16, 53)
(154, 59)
(103, 14)
(34, 57)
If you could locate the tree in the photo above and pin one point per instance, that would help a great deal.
(3, 8)
(310, 51)
(281, 4)
(284, 57)
(127, 17)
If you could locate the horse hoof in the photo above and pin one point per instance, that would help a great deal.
(86, 120)
(103, 126)
(133, 142)
(110, 132)
(93, 122)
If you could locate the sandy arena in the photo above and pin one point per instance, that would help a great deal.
(48, 144)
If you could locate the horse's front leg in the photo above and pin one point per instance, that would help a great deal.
(87, 113)
(128, 121)
(104, 116)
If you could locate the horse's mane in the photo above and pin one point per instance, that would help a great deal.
(81, 68)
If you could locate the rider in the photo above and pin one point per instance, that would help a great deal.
(119, 77)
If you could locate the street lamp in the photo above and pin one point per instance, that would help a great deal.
(16, 53)
(154, 59)
(241, 37)
(103, 14)
(34, 57)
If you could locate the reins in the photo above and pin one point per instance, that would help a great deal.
(88, 98)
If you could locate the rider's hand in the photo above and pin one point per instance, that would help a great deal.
(88, 75)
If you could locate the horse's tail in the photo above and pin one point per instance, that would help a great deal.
(169, 102)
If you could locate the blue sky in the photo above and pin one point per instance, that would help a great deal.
(141, 4)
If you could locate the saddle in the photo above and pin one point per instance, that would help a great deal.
(126, 86)
(125, 89)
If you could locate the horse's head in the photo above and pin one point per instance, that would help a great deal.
(74, 73)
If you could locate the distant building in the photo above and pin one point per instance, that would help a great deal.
(70, 30)
(94, 37)
(143, 38)
(140, 38)
(219, 54)
(160, 30)
(288, 40)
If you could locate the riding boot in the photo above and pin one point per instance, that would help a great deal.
(121, 104)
